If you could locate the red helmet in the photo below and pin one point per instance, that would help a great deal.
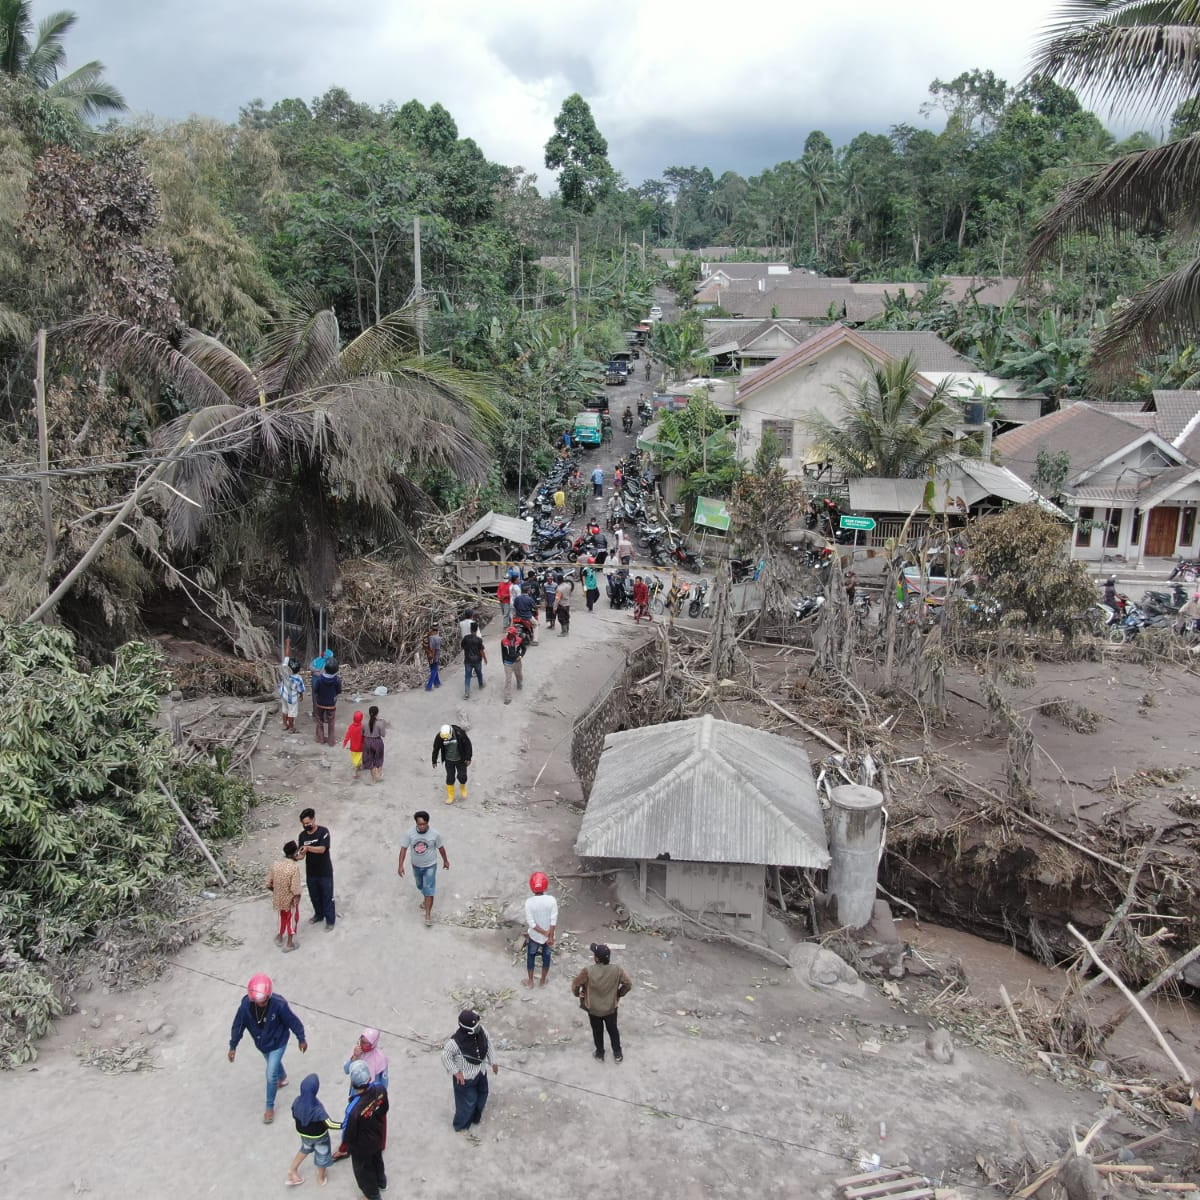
(538, 882)
(260, 988)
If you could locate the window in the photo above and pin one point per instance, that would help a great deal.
(1187, 527)
(1083, 526)
(1112, 528)
(783, 435)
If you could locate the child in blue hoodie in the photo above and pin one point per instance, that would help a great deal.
(313, 1124)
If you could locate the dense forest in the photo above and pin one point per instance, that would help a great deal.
(255, 286)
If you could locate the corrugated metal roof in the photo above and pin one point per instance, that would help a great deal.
(968, 479)
(704, 790)
(494, 524)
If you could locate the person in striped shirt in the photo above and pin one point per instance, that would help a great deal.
(466, 1057)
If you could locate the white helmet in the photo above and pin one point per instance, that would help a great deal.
(445, 731)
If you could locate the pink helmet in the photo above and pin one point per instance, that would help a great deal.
(260, 988)
(538, 882)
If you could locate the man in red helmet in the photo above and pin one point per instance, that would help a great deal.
(541, 919)
(267, 1018)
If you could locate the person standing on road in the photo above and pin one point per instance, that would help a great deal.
(425, 844)
(327, 687)
(454, 747)
(433, 651)
(313, 1124)
(374, 732)
(318, 665)
(624, 547)
(562, 604)
(598, 482)
(591, 586)
(291, 688)
(354, 742)
(467, 1056)
(283, 882)
(464, 626)
(267, 1018)
(366, 1050)
(364, 1132)
(318, 867)
(600, 988)
(541, 920)
(512, 650)
(641, 600)
(474, 657)
(504, 599)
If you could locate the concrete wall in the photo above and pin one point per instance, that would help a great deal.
(729, 894)
(608, 713)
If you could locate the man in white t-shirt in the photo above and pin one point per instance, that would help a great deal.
(541, 919)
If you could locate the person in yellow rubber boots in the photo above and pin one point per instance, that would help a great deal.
(454, 747)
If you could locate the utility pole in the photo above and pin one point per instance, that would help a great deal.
(418, 285)
(574, 288)
(39, 395)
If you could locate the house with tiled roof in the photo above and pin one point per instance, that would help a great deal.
(1135, 495)
(804, 382)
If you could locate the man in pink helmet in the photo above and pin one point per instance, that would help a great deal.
(541, 920)
(267, 1018)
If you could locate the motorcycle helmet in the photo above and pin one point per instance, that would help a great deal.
(259, 988)
(538, 883)
(445, 732)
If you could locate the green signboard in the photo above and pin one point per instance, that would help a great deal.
(713, 514)
(865, 523)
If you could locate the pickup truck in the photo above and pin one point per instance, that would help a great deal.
(616, 373)
(624, 358)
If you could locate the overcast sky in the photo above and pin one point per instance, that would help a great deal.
(671, 82)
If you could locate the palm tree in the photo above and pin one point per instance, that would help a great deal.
(819, 174)
(887, 428)
(1148, 50)
(38, 60)
(277, 457)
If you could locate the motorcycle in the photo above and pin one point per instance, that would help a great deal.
(1187, 569)
(524, 628)
(807, 608)
(699, 605)
(1163, 602)
(1135, 620)
(627, 421)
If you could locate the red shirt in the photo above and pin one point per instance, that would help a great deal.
(354, 737)
(641, 593)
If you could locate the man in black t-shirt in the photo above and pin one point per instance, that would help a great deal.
(474, 656)
(318, 865)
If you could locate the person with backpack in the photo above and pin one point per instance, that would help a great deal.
(327, 687)
(512, 650)
(454, 747)
(504, 598)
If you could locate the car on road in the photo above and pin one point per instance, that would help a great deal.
(656, 312)
(589, 429)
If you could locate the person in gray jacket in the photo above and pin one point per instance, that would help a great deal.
(600, 988)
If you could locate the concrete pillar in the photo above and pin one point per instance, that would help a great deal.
(856, 819)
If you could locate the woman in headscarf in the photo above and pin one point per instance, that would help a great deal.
(366, 1050)
(313, 1124)
(467, 1056)
(374, 732)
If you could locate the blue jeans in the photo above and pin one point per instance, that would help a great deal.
(469, 1101)
(320, 892)
(534, 951)
(426, 879)
(477, 670)
(275, 1072)
(434, 678)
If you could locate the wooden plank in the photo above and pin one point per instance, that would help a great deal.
(883, 1189)
(876, 1176)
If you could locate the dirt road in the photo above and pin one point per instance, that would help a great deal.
(737, 1082)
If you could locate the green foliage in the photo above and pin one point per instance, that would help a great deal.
(1051, 471)
(579, 153)
(766, 501)
(700, 448)
(1022, 559)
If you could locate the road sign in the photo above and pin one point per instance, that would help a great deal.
(863, 523)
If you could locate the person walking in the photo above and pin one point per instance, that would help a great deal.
(374, 732)
(464, 626)
(474, 657)
(504, 599)
(624, 547)
(318, 865)
(562, 603)
(433, 651)
(366, 1050)
(548, 595)
(268, 1019)
(283, 882)
(364, 1132)
(327, 687)
(512, 650)
(591, 587)
(598, 482)
(541, 921)
(600, 988)
(454, 746)
(291, 688)
(851, 583)
(313, 1124)
(318, 665)
(425, 844)
(466, 1057)
(354, 740)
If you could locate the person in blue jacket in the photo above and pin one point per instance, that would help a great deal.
(267, 1018)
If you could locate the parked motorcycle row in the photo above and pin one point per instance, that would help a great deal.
(632, 507)
(1123, 620)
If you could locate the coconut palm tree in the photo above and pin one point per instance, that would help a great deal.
(887, 427)
(1145, 52)
(38, 58)
(279, 457)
